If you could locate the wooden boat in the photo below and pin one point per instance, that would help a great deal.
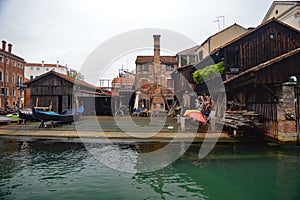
(67, 116)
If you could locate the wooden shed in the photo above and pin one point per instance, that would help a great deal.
(64, 92)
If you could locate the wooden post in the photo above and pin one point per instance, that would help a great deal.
(213, 121)
(37, 102)
(182, 123)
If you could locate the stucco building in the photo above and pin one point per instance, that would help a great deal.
(197, 53)
(32, 70)
(285, 11)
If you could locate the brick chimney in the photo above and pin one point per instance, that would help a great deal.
(3, 45)
(156, 49)
(9, 48)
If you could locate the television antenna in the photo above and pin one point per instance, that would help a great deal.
(218, 23)
(223, 19)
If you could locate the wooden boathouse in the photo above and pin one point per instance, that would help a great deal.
(64, 92)
(261, 74)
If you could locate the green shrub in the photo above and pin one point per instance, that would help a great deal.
(208, 72)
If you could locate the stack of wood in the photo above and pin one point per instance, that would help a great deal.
(242, 120)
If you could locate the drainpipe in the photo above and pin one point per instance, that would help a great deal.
(209, 45)
(4, 72)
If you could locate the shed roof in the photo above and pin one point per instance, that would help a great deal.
(222, 31)
(63, 76)
(270, 63)
(252, 31)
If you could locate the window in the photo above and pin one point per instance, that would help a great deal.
(14, 92)
(145, 68)
(6, 61)
(47, 69)
(170, 84)
(183, 60)
(233, 59)
(20, 65)
(38, 69)
(20, 80)
(31, 68)
(169, 68)
(31, 77)
(0, 76)
(21, 93)
(192, 59)
(5, 91)
(200, 55)
(14, 63)
(6, 77)
(13, 78)
(1, 59)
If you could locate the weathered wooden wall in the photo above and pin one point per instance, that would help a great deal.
(265, 43)
(262, 99)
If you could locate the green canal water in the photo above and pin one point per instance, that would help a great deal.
(66, 170)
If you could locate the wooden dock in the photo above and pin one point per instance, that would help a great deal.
(8, 120)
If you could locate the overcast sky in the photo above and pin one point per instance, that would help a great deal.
(69, 30)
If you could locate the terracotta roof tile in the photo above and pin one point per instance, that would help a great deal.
(45, 65)
(149, 59)
(124, 80)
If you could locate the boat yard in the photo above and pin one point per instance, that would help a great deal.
(107, 128)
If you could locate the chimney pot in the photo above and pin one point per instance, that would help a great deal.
(3, 45)
(43, 63)
(9, 48)
(57, 65)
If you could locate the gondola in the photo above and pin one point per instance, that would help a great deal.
(27, 115)
(67, 116)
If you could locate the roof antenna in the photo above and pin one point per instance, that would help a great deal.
(218, 23)
(223, 18)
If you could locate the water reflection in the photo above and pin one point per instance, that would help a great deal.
(22, 161)
(171, 183)
(47, 169)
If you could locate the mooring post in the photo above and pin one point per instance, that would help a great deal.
(182, 123)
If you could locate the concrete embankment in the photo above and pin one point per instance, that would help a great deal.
(142, 129)
(126, 128)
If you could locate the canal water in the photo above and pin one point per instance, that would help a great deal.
(66, 170)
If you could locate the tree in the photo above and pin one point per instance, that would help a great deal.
(75, 74)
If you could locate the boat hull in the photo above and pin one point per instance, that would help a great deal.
(27, 116)
(45, 116)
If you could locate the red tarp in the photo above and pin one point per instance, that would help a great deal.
(198, 116)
